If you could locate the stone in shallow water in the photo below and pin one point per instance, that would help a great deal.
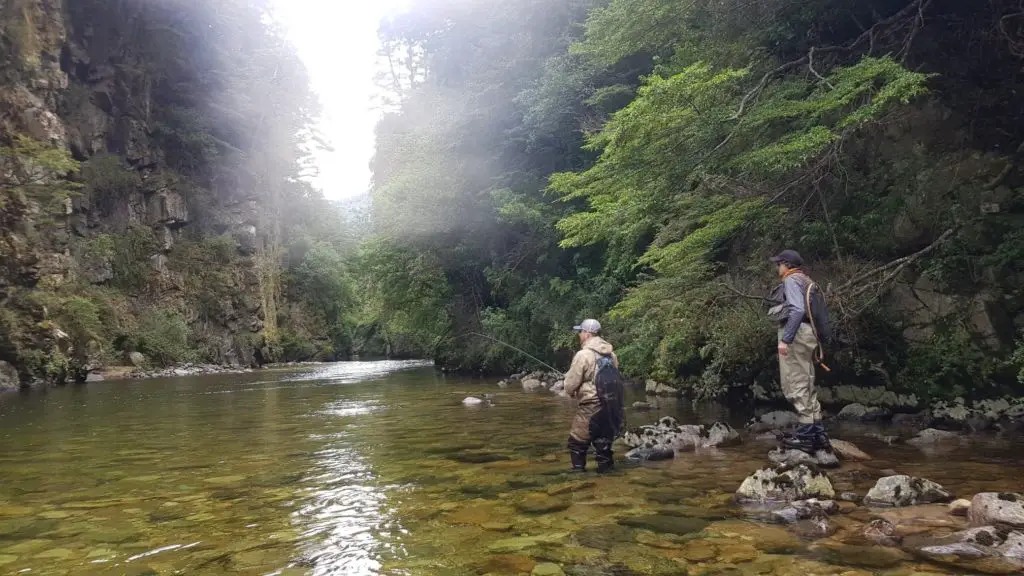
(603, 537)
(699, 551)
(665, 524)
(547, 569)
(849, 451)
(960, 507)
(786, 483)
(903, 490)
(570, 487)
(990, 508)
(791, 457)
(520, 543)
(56, 554)
(862, 556)
(508, 564)
(543, 504)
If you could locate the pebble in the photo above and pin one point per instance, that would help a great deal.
(547, 569)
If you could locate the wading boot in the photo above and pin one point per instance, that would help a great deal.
(578, 456)
(805, 439)
(603, 455)
(821, 439)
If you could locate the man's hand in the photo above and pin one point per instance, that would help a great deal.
(783, 349)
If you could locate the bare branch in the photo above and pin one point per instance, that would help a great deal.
(810, 66)
(896, 266)
(743, 294)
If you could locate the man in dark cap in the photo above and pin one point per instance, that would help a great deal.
(797, 298)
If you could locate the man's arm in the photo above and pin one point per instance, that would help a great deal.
(574, 377)
(797, 312)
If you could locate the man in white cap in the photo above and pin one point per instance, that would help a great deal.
(594, 381)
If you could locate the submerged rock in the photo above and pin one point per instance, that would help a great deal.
(903, 490)
(642, 406)
(543, 503)
(988, 549)
(849, 451)
(1005, 509)
(785, 484)
(547, 569)
(882, 532)
(667, 437)
(664, 524)
(472, 401)
(931, 437)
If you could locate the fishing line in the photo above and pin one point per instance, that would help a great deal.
(520, 350)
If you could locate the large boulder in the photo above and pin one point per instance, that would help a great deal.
(654, 388)
(786, 484)
(861, 413)
(137, 359)
(533, 385)
(988, 549)
(777, 420)
(9, 379)
(903, 490)
(1002, 509)
(932, 437)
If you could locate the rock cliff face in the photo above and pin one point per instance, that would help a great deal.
(164, 210)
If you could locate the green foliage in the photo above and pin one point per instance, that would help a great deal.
(133, 272)
(183, 135)
(163, 336)
(108, 183)
(37, 171)
(952, 364)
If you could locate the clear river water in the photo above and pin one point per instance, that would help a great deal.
(374, 468)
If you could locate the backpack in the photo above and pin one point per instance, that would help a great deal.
(816, 309)
(817, 313)
(608, 382)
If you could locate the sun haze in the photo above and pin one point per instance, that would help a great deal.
(338, 43)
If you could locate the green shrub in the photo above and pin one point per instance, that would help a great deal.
(108, 182)
(163, 336)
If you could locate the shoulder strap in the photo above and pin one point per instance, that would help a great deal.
(819, 352)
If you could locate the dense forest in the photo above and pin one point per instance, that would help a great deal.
(539, 161)
(639, 160)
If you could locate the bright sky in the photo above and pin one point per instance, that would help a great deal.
(337, 39)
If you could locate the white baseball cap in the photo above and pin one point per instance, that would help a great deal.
(589, 325)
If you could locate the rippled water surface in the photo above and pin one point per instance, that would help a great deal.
(376, 468)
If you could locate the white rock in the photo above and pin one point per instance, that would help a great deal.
(903, 490)
(472, 401)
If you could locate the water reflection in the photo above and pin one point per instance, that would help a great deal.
(350, 372)
(341, 516)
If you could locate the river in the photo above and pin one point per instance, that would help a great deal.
(373, 468)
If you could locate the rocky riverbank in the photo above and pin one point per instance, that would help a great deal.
(183, 370)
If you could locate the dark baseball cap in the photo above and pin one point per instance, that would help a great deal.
(791, 257)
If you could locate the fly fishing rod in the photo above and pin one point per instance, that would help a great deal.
(520, 350)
